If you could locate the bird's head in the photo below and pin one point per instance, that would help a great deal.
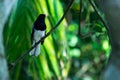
(40, 22)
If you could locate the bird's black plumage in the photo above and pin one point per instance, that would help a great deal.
(39, 24)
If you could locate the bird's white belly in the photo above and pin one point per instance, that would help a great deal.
(38, 35)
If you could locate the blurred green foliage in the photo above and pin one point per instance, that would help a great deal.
(65, 54)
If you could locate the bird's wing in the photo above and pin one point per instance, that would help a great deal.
(43, 40)
(32, 35)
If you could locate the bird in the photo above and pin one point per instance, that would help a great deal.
(38, 31)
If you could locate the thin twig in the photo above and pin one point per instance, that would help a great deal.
(80, 15)
(82, 36)
(96, 11)
(104, 23)
(12, 65)
(86, 35)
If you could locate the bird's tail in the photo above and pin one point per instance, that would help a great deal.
(35, 51)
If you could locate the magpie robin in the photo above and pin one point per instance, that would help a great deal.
(38, 31)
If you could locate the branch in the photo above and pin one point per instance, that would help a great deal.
(96, 11)
(80, 15)
(104, 23)
(82, 36)
(12, 65)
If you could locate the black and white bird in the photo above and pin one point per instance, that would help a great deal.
(38, 31)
